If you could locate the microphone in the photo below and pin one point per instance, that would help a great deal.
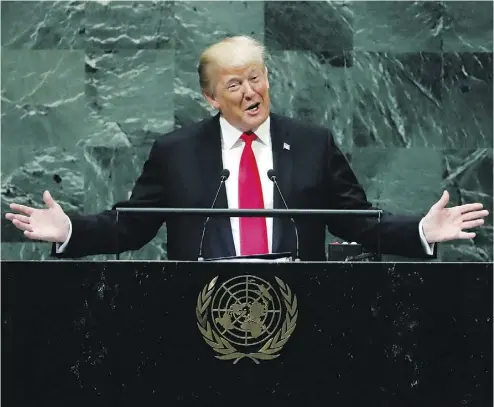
(272, 177)
(223, 177)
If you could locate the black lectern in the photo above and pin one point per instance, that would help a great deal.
(130, 333)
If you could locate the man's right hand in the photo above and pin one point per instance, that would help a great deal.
(49, 225)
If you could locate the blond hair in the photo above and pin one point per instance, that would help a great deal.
(231, 52)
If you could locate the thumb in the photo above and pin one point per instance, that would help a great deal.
(49, 200)
(443, 201)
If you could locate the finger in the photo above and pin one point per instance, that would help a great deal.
(443, 201)
(22, 208)
(466, 235)
(20, 218)
(30, 235)
(49, 199)
(475, 215)
(37, 236)
(22, 225)
(470, 207)
(472, 224)
(33, 235)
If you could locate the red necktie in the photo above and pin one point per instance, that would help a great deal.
(253, 231)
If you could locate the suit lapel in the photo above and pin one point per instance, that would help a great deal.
(282, 163)
(210, 165)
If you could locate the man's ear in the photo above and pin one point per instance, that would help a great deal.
(211, 101)
(266, 76)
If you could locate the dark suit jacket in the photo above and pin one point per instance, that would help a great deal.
(183, 171)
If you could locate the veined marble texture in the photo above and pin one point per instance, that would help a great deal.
(406, 88)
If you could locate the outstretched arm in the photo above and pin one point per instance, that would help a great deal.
(100, 233)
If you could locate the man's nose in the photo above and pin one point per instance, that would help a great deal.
(248, 90)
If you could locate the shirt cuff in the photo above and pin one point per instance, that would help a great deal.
(60, 248)
(428, 247)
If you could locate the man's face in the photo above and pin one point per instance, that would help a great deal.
(242, 96)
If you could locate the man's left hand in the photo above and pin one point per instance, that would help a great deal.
(442, 224)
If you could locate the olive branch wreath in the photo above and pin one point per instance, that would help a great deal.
(220, 345)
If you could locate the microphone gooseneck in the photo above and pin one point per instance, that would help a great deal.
(223, 177)
(272, 177)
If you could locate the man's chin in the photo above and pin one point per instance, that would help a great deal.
(253, 122)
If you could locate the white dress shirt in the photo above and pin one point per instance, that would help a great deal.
(231, 149)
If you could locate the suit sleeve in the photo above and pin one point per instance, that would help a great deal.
(395, 234)
(102, 234)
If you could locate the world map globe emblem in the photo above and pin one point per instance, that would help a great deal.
(246, 310)
(247, 317)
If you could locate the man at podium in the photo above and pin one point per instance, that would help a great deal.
(232, 153)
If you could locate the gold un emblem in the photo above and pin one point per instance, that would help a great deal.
(245, 317)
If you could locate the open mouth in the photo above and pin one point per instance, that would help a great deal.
(254, 108)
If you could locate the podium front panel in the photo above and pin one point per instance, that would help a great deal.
(165, 333)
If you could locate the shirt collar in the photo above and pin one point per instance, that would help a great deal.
(231, 135)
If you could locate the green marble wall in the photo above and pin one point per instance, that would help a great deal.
(406, 88)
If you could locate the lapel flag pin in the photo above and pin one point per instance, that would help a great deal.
(286, 146)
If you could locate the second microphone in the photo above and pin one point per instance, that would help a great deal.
(272, 177)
